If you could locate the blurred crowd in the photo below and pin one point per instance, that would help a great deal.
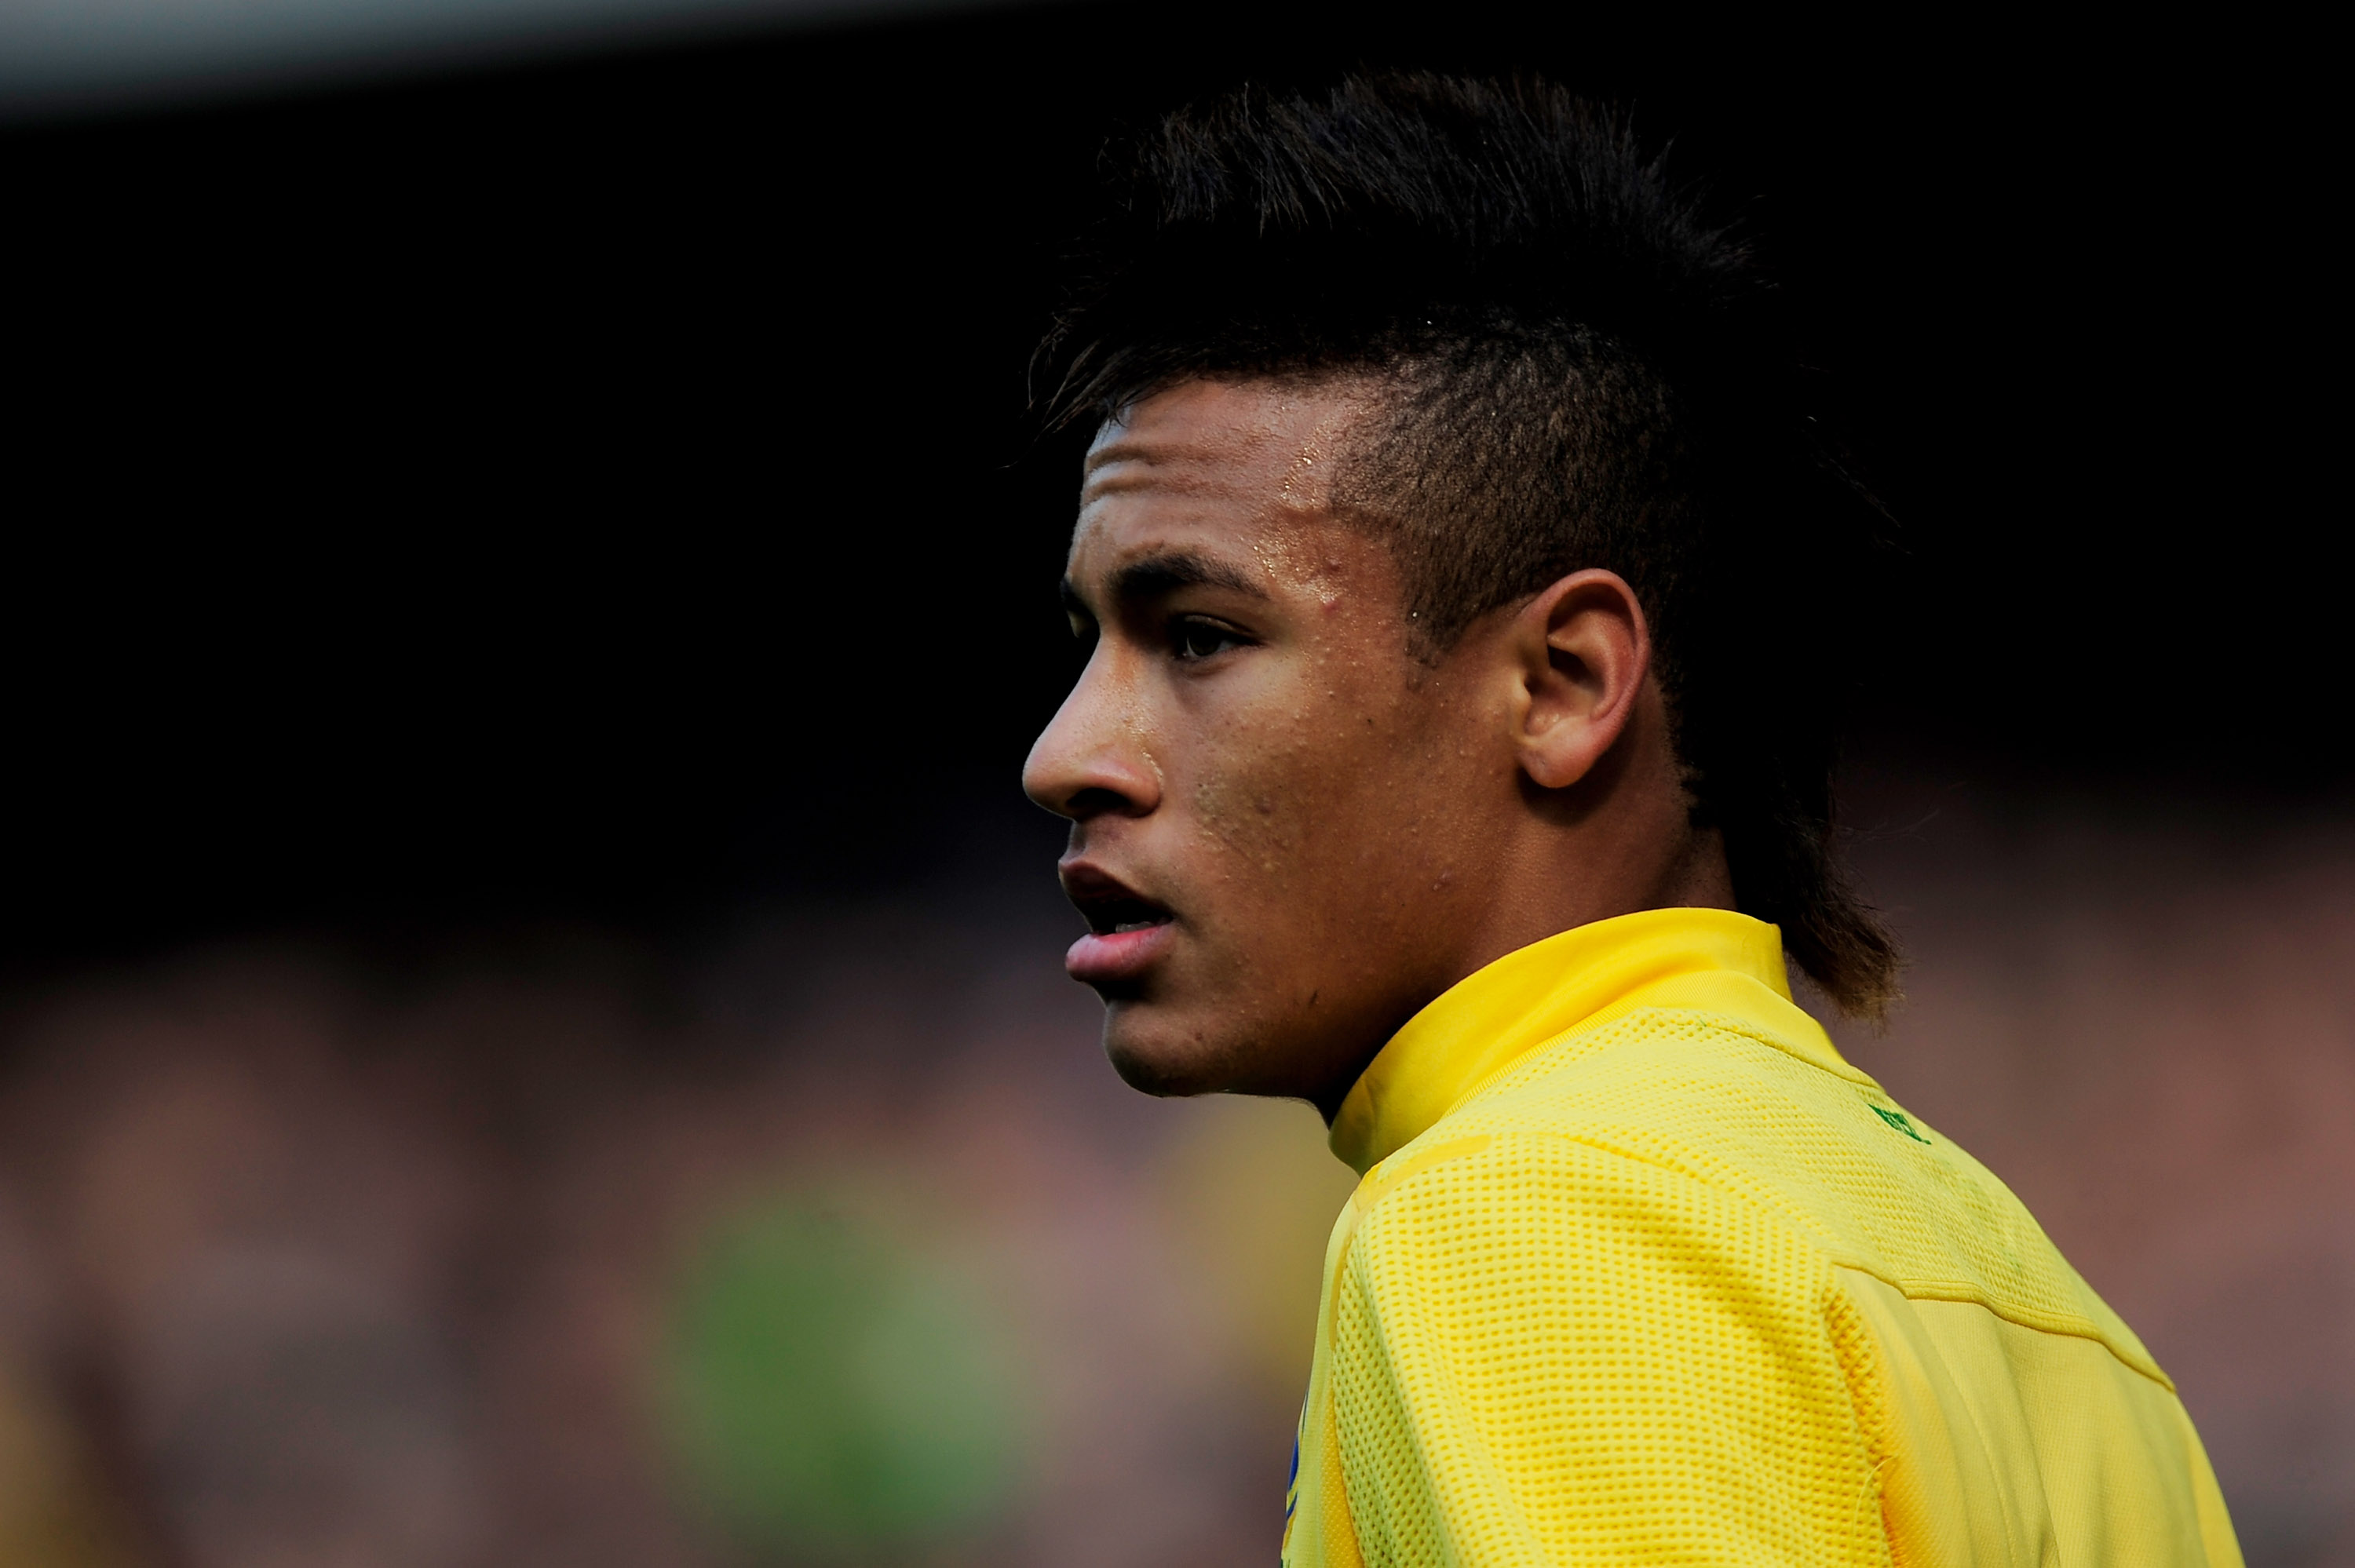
(834, 1241)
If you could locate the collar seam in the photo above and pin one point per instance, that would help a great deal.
(1603, 1019)
(1855, 1075)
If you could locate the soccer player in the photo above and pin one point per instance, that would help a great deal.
(1463, 588)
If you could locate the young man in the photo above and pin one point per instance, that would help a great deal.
(1452, 753)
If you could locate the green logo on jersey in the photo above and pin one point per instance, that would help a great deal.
(1897, 1119)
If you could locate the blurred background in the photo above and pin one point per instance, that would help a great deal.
(532, 1027)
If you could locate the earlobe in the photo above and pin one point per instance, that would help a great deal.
(1585, 652)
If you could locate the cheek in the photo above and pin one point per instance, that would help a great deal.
(1259, 797)
(1303, 795)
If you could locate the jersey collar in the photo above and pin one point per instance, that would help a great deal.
(1712, 960)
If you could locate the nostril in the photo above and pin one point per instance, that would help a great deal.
(1096, 801)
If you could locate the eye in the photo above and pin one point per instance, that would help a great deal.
(1192, 638)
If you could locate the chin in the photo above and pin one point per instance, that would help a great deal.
(1160, 1056)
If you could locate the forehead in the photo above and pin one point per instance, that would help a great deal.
(1208, 463)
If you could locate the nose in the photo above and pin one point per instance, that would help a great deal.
(1091, 760)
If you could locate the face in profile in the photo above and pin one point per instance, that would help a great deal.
(1274, 804)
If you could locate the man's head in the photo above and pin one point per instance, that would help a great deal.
(1459, 570)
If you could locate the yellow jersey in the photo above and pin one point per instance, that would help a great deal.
(1639, 1270)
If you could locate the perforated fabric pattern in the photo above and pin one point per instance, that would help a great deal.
(1603, 1312)
(1712, 1096)
(1674, 1399)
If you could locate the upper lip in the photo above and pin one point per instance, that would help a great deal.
(1108, 903)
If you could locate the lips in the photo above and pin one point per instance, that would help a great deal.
(1126, 931)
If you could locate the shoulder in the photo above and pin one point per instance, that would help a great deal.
(1663, 1109)
(1549, 1234)
(1565, 1316)
(1712, 1137)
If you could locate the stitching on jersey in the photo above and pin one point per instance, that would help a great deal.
(1445, 1152)
(1381, 1179)
(1961, 1292)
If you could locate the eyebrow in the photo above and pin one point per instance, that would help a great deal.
(1164, 572)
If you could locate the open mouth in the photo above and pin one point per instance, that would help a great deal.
(1114, 911)
(1128, 933)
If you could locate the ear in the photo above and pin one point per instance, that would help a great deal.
(1582, 653)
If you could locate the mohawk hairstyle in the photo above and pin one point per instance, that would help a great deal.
(1567, 366)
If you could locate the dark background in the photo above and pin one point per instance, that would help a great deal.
(601, 490)
(529, 586)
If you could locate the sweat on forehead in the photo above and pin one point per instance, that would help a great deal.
(1186, 495)
(1263, 446)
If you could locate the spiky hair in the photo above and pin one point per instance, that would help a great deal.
(1572, 366)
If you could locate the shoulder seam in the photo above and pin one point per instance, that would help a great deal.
(1965, 1295)
(1833, 1257)
(1448, 1149)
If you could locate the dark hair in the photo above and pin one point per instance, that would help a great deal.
(1571, 366)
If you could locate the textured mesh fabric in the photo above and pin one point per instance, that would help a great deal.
(1676, 1285)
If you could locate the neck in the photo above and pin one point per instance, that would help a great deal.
(1620, 841)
